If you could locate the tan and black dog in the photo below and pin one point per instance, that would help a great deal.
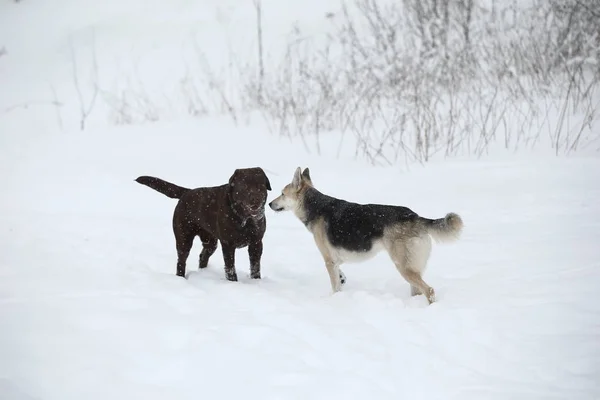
(233, 214)
(351, 232)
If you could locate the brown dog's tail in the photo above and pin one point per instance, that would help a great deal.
(447, 229)
(168, 189)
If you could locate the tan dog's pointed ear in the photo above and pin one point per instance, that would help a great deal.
(306, 174)
(296, 182)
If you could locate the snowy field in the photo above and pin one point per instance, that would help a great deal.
(90, 307)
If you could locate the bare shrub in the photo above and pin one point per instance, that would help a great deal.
(414, 79)
(85, 106)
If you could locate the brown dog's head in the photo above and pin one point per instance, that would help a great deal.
(248, 191)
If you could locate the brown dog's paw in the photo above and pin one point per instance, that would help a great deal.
(231, 276)
(255, 275)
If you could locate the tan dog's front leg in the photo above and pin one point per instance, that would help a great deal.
(333, 269)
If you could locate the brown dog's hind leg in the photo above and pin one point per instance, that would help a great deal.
(229, 258)
(209, 246)
(255, 250)
(184, 245)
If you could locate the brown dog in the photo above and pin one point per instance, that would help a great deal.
(233, 214)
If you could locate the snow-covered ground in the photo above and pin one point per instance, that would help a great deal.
(90, 307)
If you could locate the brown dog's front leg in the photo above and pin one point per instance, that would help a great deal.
(229, 258)
(255, 252)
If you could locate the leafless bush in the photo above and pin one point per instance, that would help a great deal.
(259, 36)
(416, 78)
(85, 107)
(201, 91)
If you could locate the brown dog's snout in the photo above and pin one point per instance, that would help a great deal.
(256, 203)
(256, 198)
(255, 208)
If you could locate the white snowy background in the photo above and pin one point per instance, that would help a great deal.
(486, 108)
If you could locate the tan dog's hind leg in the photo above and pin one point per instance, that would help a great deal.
(410, 257)
(415, 280)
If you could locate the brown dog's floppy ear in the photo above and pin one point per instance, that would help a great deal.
(267, 182)
(232, 177)
(306, 174)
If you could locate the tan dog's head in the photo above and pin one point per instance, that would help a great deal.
(291, 194)
(248, 191)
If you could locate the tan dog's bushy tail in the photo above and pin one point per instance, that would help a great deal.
(447, 229)
(168, 189)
